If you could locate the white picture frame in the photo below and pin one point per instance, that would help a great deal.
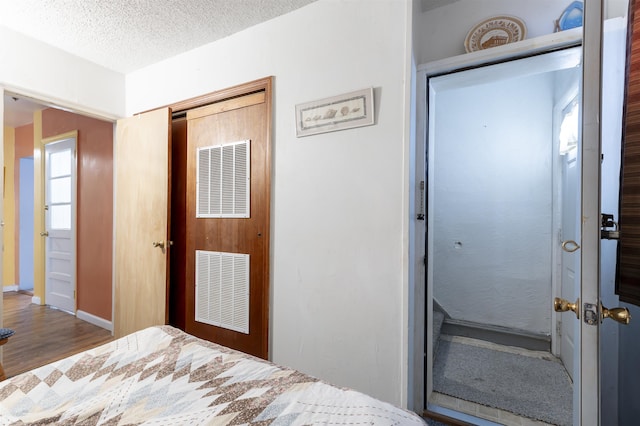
(346, 111)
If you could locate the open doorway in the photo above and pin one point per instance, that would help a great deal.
(92, 159)
(500, 203)
(26, 266)
(556, 336)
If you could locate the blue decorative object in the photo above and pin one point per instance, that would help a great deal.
(6, 332)
(571, 17)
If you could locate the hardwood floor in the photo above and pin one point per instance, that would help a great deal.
(43, 334)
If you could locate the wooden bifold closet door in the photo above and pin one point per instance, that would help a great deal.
(227, 223)
(202, 201)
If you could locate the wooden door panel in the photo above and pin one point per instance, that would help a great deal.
(628, 268)
(222, 123)
(141, 218)
(177, 287)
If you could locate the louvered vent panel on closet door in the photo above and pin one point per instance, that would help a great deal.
(223, 181)
(222, 290)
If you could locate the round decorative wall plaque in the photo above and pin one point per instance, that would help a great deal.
(495, 31)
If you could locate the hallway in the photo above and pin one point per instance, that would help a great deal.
(506, 384)
(43, 334)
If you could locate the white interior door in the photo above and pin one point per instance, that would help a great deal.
(60, 217)
(570, 258)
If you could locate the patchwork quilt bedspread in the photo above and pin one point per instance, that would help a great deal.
(163, 376)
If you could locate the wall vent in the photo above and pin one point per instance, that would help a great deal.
(222, 290)
(223, 181)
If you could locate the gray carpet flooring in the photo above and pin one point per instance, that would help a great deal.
(530, 387)
(438, 321)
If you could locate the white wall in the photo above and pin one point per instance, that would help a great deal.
(613, 77)
(3, 217)
(339, 210)
(417, 279)
(339, 251)
(35, 69)
(442, 30)
(493, 202)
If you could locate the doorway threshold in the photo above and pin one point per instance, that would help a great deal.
(452, 410)
(508, 385)
(476, 413)
(496, 334)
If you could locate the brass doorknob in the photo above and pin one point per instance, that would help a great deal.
(159, 244)
(621, 315)
(562, 305)
(570, 246)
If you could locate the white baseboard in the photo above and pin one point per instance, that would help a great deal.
(100, 322)
(36, 300)
(9, 288)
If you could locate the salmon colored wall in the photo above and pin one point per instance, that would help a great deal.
(9, 253)
(23, 148)
(94, 206)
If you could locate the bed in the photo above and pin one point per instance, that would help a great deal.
(161, 376)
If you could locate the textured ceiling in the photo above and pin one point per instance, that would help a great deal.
(125, 35)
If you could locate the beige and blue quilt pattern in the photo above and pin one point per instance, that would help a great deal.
(162, 376)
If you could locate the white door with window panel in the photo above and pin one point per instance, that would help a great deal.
(60, 212)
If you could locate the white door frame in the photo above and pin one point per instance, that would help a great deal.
(589, 383)
(589, 389)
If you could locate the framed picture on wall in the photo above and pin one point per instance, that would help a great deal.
(353, 109)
